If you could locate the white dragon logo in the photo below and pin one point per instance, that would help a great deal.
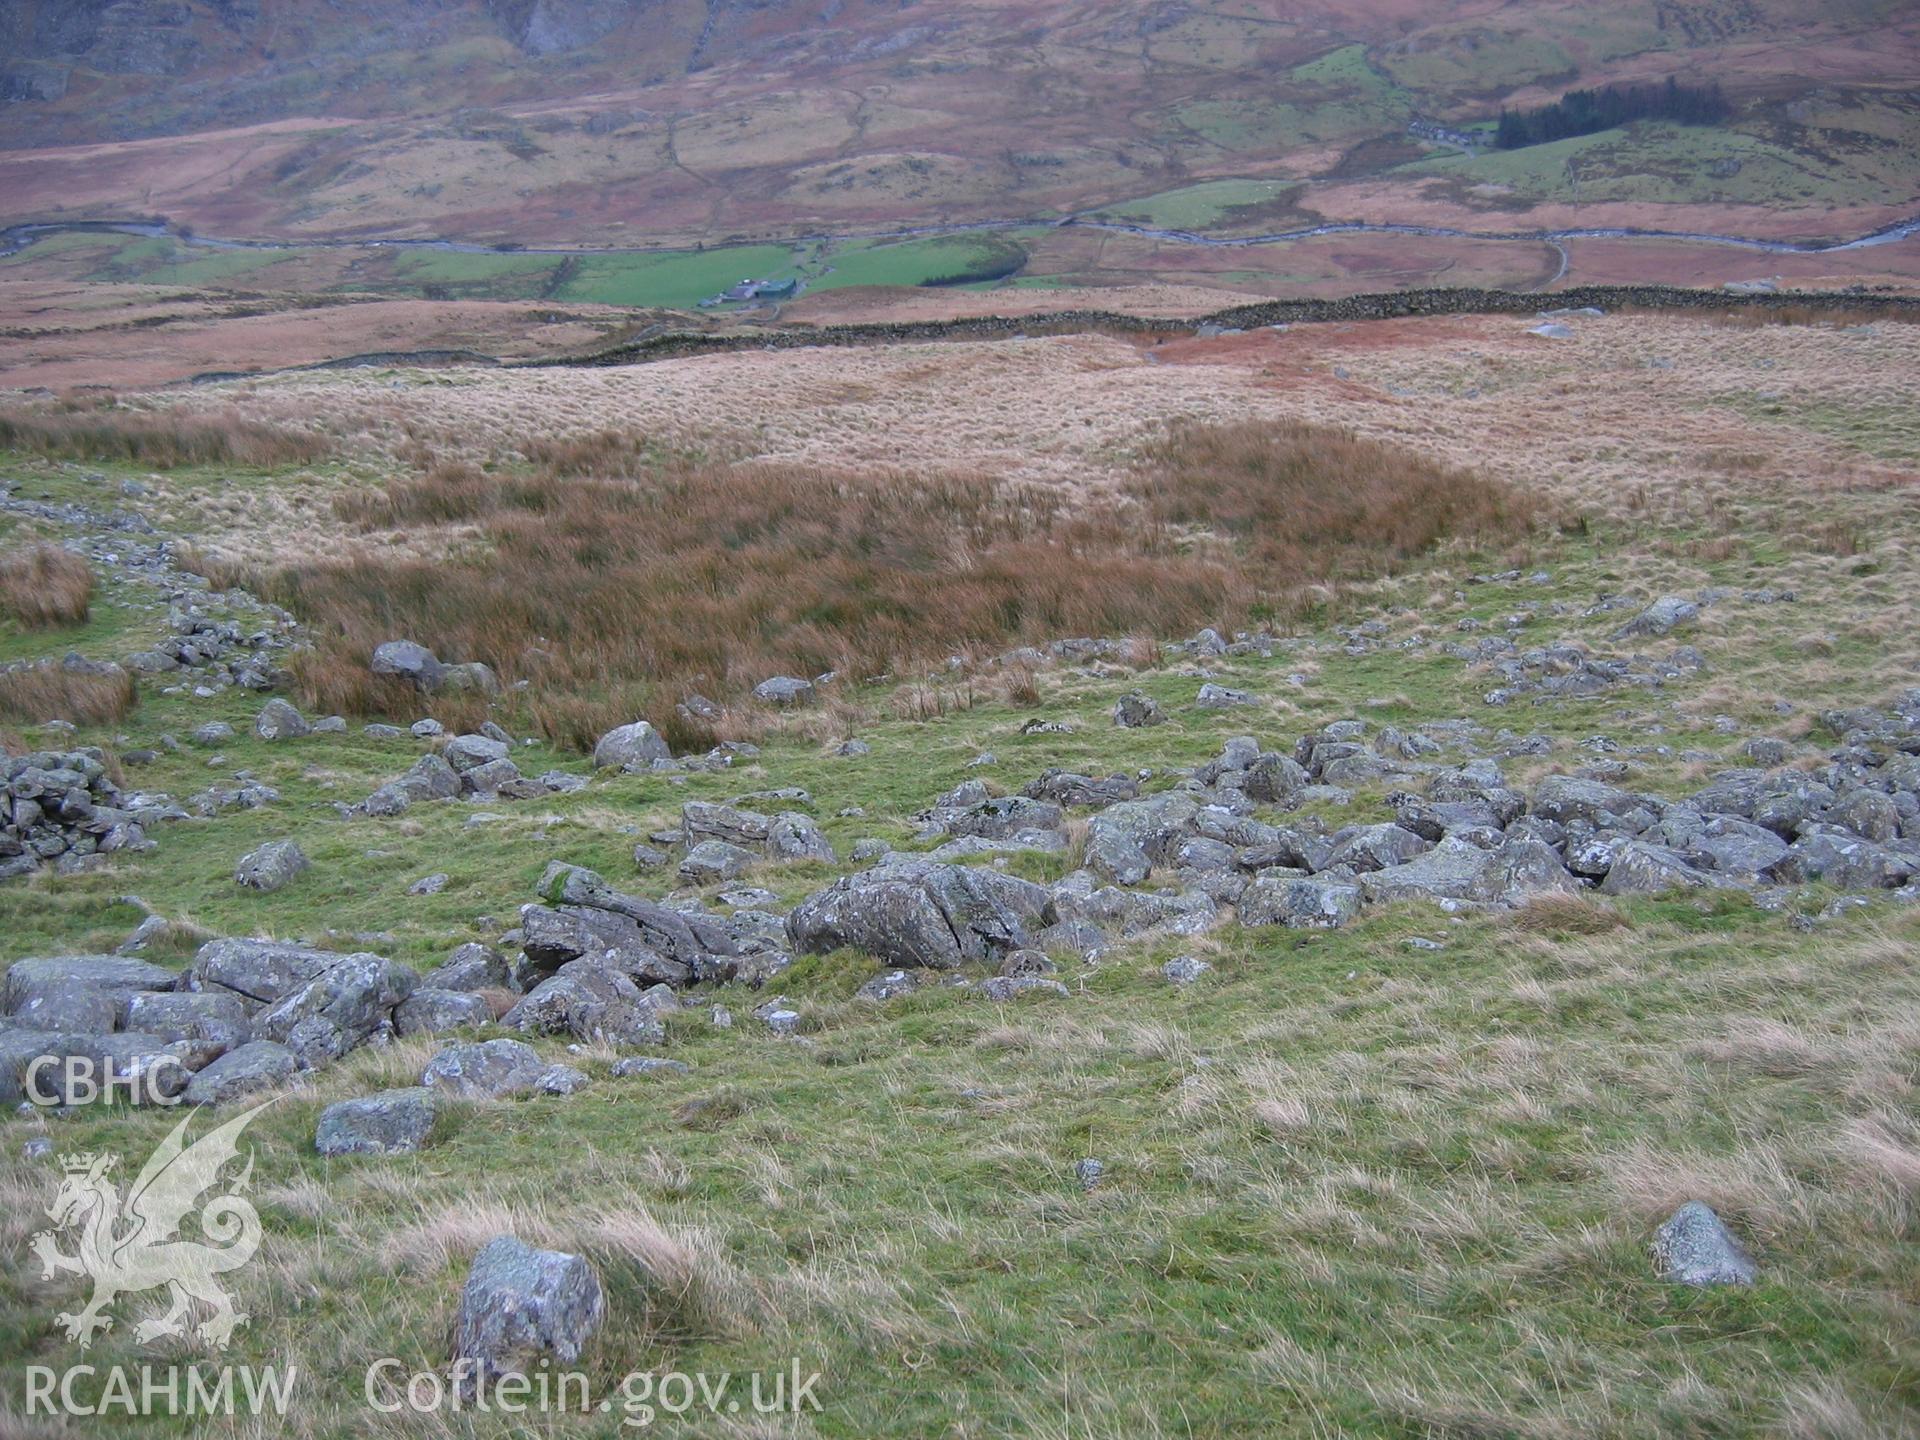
(131, 1245)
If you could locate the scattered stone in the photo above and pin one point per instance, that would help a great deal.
(648, 1067)
(783, 690)
(1694, 1247)
(1184, 969)
(410, 662)
(278, 720)
(271, 867)
(889, 985)
(1012, 987)
(1138, 709)
(520, 1305)
(712, 861)
(1089, 1172)
(637, 745)
(393, 1122)
(1660, 618)
(562, 1080)
(428, 885)
(1219, 697)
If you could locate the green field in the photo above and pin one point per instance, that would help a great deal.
(916, 262)
(1209, 205)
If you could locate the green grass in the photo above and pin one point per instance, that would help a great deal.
(1659, 163)
(165, 261)
(1205, 206)
(917, 262)
(680, 278)
(457, 269)
(1492, 62)
(1353, 1188)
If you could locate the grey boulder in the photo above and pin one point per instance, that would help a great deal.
(429, 1011)
(272, 867)
(636, 744)
(520, 1305)
(1694, 1247)
(485, 1069)
(408, 661)
(257, 1065)
(1298, 902)
(278, 720)
(393, 1122)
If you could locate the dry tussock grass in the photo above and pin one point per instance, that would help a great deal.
(45, 586)
(690, 1285)
(100, 429)
(33, 694)
(614, 596)
(1555, 914)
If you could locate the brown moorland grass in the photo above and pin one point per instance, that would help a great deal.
(99, 429)
(44, 586)
(613, 594)
(48, 690)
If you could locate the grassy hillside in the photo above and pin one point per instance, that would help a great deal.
(1398, 1178)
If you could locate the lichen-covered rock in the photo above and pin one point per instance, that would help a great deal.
(521, 1305)
(485, 1069)
(260, 971)
(1136, 710)
(638, 745)
(1695, 1247)
(341, 1008)
(279, 720)
(430, 1011)
(590, 1001)
(272, 867)
(1300, 903)
(393, 1122)
(207, 1025)
(472, 966)
(712, 861)
(1662, 617)
(914, 914)
(246, 1070)
(794, 836)
(469, 752)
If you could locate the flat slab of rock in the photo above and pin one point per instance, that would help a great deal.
(783, 690)
(393, 1122)
(118, 975)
